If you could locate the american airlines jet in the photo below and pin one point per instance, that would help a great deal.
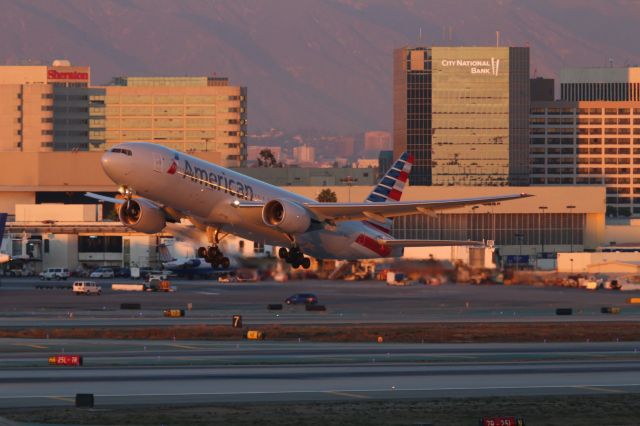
(161, 185)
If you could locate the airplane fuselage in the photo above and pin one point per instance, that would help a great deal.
(206, 192)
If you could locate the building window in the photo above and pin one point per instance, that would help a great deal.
(99, 244)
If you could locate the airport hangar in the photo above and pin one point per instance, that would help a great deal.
(557, 218)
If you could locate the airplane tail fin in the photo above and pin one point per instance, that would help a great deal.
(164, 254)
(3, 221)
(390, 187)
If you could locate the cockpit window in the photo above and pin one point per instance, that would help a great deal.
(122, 151)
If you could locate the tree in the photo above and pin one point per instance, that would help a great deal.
(267, 159)
(327, 196)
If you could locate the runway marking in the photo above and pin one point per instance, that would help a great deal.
(321, 391)
(31, 345)
(185, 347)
(62, 398)
(601, 389)
(208, 293)
(348, 394)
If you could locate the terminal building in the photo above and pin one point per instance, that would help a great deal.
(463, 114)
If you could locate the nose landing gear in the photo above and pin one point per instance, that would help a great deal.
(295, 257)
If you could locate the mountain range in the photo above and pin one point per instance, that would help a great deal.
(323, 65)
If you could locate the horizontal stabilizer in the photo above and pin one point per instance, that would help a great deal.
(429, 243)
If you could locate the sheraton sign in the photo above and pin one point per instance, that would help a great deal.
(54, 74)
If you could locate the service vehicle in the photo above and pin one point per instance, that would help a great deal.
(54, 274)
(156, 284)
(397, 278)
(102, 273)
(301, 298)
(86, 287)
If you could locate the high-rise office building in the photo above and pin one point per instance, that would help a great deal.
(463, 114)
(592, 136)
(600, 84)
(184, 113)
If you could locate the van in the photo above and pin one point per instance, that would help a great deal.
(86, 287)
(54, 274)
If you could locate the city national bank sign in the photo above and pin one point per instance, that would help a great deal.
(66, 74)
(475, 66)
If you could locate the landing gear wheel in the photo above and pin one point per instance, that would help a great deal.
(213, 252)
(306, 263)
(295, 264)
(283, 253)
(224, 262)
(202, 252)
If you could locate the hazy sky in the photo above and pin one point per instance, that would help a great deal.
(309, 64)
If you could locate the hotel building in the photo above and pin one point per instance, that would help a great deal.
(55, 108)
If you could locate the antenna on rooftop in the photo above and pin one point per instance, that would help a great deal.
(497, 38)
(420, 34)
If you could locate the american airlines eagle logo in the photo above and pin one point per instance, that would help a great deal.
(174, 165)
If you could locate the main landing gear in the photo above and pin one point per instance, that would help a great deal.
(214, 256)
(294, 257)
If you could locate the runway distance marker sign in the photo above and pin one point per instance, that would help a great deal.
(501, 421)
(71, 360)
(236, 321)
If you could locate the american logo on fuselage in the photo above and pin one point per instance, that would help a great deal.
(219, 182)
(174, 165)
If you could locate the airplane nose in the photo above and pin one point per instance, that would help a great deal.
(115, 165)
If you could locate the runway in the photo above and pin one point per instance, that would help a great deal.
(21, 305)
(140, 372)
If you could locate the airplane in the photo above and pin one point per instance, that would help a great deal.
(160, 185)
(4, 258)
(184, 266)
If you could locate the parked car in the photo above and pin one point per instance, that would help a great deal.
(86, 287)
(54, 274)
(122, 272)
(301, 298)
(102, 273)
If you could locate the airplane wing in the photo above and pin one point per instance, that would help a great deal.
(104, 198)
(380, 211)
(428, 243)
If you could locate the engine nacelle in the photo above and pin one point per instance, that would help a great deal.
(142, 215)
(287, 216)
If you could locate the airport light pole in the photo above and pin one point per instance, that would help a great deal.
(540, 221)
(473, 222)
(519, 236)
(349, 181)
(570, 208)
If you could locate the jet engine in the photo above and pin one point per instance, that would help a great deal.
(142, 215)
(286, 216)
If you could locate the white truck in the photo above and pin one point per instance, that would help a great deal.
(86, 287)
